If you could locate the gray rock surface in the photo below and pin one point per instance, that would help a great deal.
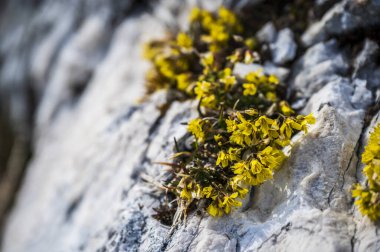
(284, 48)
(267, 34)
(95, 147)
(365, 66)
(319, 65)
(345, 18)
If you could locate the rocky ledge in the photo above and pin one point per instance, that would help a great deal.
(95, 146)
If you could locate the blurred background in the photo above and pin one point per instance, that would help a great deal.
(32, 35)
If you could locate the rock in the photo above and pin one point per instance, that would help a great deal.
(245, 3)
(267, 34)
(91, 183)
(284, 49)
(341, 95)
(362, 97)
(344, 18)
(321, 64)
(366, 65)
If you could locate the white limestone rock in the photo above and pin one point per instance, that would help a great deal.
(321, 64)
(344, 18)
(85, 188)
(267, 34)
(284, 49)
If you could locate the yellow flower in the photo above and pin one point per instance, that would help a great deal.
(226, 78)
(214, 210)
(263, 123)
(209, 101)
(273, 79)
(207, 59)
(233, 153)
(304, 121)
(285, 108)
(367, 201)
(231, 125)
(207, 20)
(195, 128)
(202, 89)
(225, 73)
(261, 177)
(242, 191)
(165, 67)
(184, 40)
(286, 128)
(248, 57)
(256, 166)
(238, 138)
(254, 77)
(271, 157)
(247, 128)
(218, 34)
(195, 15)
(230, 201)
(249, 89)
(227, 16)
(183, 81)
(239, 167)
(218, 139)
(271, 96)
(186, 194)
(229, 19)
(282, 141)
(207, 191)
(223, 158)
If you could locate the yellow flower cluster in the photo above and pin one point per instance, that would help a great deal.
(249, 149)
(182, 60)
(368, 196)
(243, 123)
(217, 29)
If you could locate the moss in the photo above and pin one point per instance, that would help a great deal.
(243, 124)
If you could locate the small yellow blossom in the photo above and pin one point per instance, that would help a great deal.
(195, 127)
(186, 194)
(195, 15)
(273, 79)
(256, 166)
(254, 77)
(230, 201)
(184, 40)
(239, 167)
(214, 210)
(223, 158)
(183, 81)
(249, 89)
(286, 109)
(271, 96)
(207, 191)
(231, 125)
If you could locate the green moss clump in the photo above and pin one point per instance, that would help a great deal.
(243, 123)
(367, 197)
